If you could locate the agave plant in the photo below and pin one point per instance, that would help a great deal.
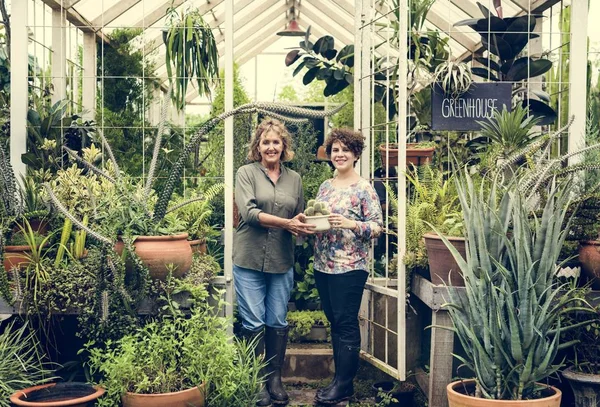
(505, 39)
(510, 318)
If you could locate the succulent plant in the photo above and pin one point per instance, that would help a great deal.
(315, 208)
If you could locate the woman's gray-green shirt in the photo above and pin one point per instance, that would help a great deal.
(255, 247)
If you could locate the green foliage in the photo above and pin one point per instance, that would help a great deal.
(196, 216)
(314, 177)
(306, 289)
(506, 132)
(511, 316)
(301, 323)
(191, 53)
(203, 269)
(175, 353)
(453, 77)
(22, 363)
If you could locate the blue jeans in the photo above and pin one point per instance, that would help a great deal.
(262, 298)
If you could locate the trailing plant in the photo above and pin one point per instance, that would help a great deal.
(22, 363)
(505, 39)
(204, 268)
(511, 316)
(301, 322)
(191, 53)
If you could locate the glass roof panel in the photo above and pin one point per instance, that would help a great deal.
(92, 9)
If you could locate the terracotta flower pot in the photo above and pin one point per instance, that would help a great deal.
(16, 256)
(589, 257)
(156, 252)
(586, 387)
(57, 395)
(414, 155)
(457, 398)
(198, 246)
(441, 261)
(193, 397)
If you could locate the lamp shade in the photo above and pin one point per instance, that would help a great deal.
(292, 30)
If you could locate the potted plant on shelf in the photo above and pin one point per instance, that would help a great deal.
(178, 360)
(191, 53)
(511, 314)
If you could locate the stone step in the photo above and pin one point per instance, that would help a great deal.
(307, 363)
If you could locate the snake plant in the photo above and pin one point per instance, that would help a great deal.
(510, 316)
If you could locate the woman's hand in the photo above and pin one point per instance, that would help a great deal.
(296, 226)
(340, 222)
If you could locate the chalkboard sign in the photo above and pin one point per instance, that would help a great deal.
(463, 112)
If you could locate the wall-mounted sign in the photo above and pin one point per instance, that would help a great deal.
(463, 112)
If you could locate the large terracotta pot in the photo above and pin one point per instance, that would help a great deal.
(193, 397)
(589, 257)
(53, 395)
(16, 256)
(456, 398)
(441, 261)
(156, 252)
(586, 387)
(414, 155)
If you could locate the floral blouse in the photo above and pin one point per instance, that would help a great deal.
(342, 250)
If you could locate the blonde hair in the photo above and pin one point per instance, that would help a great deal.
(279, 129)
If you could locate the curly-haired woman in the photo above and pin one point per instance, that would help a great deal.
(341, 255)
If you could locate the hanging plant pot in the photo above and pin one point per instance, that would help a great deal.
(16, 256)
(457, 397)
(193, 397)
(586, 387)
(58, 395)
(442, 267)
(156, 252)
(414, 154)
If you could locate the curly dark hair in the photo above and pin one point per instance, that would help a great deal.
(354, 140)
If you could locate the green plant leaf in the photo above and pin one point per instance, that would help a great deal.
(323, 44)
(310, 75)
(526, 67)
(292, 57)
(539, 109)
(484, 73)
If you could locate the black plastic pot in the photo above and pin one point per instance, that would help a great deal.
(404, 398)
(586, 387)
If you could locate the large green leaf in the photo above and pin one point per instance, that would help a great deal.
(334, 86)
(488, 63)
(539, 109)
(526, 67)
(346, 56)
(310, 75)
(497, 46)
(518, 34)
(299, 68)
(494, 25)
(324, 44)
(484, 73)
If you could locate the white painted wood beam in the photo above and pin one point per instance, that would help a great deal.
(341, 18)
(159, 12)
(345, 5)
(467, 6)
(341, 34)
(110, 15)
(578, 60)
(59, 54)
(89, 75)
(263, 7)
(228, 250)
(440, 22)
(19, 86)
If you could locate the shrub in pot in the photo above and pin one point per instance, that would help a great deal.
(176, 353)
(308, 326)
(511, 314)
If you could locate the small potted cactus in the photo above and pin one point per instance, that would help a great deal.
(317, 214)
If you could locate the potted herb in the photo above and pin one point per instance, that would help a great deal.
(416, 154)
(178, 360)
(308, 326)
(511, 314)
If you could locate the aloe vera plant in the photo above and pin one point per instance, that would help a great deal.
(510, 317)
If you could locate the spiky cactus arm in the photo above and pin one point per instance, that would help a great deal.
(185, 203)
(11, 198)
(111, 156)
(88, 165)
(545, 143)
(158, 142)
(61, 208)
(288, 112)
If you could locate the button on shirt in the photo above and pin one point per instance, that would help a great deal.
(256, 247)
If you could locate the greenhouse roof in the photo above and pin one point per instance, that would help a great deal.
(258, 21)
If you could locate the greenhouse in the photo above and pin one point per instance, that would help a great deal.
(300, 202)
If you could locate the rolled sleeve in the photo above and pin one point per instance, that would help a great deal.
(245, 198)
